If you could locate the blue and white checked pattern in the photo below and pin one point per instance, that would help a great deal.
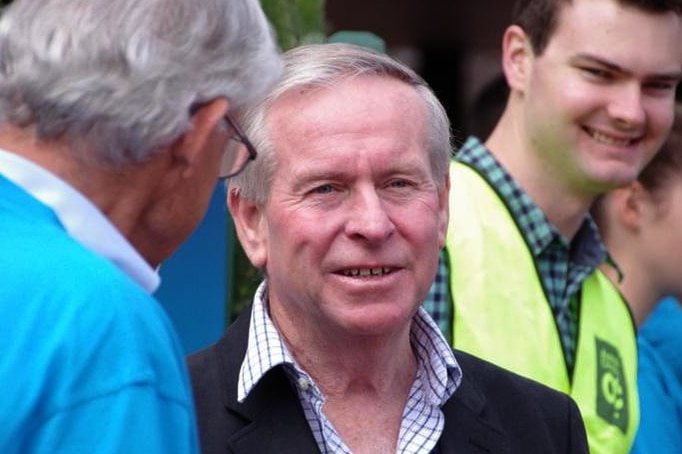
(438, 376)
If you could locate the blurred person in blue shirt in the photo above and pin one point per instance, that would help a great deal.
(642, 226)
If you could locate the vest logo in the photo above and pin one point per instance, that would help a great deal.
(612, 392)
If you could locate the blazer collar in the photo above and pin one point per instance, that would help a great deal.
(275, 422)
(468, 427)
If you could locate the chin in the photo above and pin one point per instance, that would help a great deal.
(378, 322)
(614, 178)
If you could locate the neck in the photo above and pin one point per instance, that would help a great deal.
(343, 364)
(637, 287)
(362, 377)
(120, 194)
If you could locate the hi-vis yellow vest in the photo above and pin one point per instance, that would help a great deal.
(502, 314)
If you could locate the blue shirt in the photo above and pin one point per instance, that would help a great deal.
(660, 381)
(90, 361)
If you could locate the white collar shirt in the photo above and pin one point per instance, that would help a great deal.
(81, 219)
(438, 376)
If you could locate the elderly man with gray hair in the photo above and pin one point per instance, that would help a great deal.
(345, 212)
(115, 120)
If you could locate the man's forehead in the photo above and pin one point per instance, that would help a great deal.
(607, 27)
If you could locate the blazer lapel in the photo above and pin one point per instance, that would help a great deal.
(278, 424)
(273, 422)
(467, 428)
(274, 419)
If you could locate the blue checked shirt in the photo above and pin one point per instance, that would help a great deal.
(438, 303)
(438, 376)
(563, 265)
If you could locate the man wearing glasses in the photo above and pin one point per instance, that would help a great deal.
(239, 151)
(105, 168)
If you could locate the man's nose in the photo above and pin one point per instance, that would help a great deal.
(369, 218)
(627, 106)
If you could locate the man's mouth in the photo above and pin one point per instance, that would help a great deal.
(367, 272)
(608, 139)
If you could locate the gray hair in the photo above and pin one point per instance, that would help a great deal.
(326, 65)
(119, 77)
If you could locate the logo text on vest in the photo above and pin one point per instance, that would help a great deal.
(612, 395)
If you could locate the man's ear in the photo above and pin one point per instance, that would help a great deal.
(195, 142)
(444, 210)
(250, 223)
(517, 57)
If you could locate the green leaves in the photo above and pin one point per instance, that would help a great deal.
(296, 22)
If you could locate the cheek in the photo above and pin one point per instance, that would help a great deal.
(665, 227)
(673, 224)
(561, 100)
(295, 239)
(425, 233)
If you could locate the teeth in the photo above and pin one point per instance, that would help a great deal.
(366, 272)
(608, 140)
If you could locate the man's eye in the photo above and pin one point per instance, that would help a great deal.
(597, 72)
(399, 184)
(323, 189)
(661, 86)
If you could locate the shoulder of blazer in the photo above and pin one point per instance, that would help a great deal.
(497, 408)
(270, 420)
(214, 371)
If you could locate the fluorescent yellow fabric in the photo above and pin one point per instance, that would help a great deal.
(502, 314)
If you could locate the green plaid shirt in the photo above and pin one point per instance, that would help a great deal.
(563, 265)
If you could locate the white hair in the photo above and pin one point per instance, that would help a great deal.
(122, 75)
(325, 65)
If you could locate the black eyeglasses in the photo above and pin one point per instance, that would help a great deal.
(236, 156)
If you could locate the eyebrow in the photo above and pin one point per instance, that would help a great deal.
(303, 178)
(309, 176)
(673, 76)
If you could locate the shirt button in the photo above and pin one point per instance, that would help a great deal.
(303, 384)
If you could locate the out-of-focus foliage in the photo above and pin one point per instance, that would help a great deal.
(296, 22)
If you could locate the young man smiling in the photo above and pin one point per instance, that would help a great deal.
(592, 87)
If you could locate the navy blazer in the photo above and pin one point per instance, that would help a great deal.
(492, 411)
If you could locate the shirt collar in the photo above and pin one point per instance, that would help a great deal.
(79, 217)
(441, 372)
(586, 247)
(266, 350)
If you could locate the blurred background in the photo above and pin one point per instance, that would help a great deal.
(454, 45)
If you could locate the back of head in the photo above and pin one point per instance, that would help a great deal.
(539, 18)
(324, 66)
(118, 77)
